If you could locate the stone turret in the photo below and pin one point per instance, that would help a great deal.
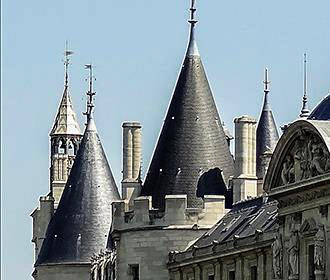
(65, 138)
(192, 141)
(80, 226)
(267, 136)
(185, 190)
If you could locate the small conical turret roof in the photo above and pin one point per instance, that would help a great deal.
(192, 140)
(267, 134)
(66, 120)
(81, 224)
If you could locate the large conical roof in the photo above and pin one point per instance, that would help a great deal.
(82, 220)
(66, 120)
(192, 140)
(267, 134)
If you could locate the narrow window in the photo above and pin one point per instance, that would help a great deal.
(134, 268)
(211, 277)
(311, 265)
(254, 273)
(231, 275)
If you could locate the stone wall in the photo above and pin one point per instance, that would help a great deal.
(62, 272)
(145, 236)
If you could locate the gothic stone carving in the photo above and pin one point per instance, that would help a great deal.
(319, 249)
(277, 250)
(293, 253)
(101, 265)
(307, 157)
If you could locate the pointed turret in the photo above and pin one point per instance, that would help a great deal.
(267, 134)
(304, 113)
(81, 224)
(192, 141)
(65, 138)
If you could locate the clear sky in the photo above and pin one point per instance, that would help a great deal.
(137, 47)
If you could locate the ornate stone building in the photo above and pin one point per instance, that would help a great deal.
(201, 213)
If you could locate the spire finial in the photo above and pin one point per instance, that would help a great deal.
(304, 110)
(67, 54)
(266, 91)
(192, 46)
(192, 20)
(266, 81)
(90, 93)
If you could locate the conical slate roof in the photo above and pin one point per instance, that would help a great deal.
(82, 220)
(322, 110)
(267, 134)
(66, 119)
(192, 140)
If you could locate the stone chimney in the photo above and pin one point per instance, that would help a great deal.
(131, 182)
(245, 180)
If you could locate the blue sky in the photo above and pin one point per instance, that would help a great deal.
(137, 47)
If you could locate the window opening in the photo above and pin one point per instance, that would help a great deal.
(231, 275)
(254, 273)
(311, 265)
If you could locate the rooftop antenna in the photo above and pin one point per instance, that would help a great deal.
(67, 54)
(304, 110)
(90, 93)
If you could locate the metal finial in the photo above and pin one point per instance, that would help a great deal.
(192, 46)
(304, 110)
(192, 20)
(90, 93)
(266, 105)
(266, 81)
(67, 54)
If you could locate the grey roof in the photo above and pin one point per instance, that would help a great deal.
(242, 221)
(267, 135)
(192, 140)
(82, 221)
(66, 119)
(322, 110)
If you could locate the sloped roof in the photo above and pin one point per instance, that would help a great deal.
(267, 135)
(322, 110)
(242, 221)
(192, 140)
(66, 120)
(81, 224)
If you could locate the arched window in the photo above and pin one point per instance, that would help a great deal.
(71, 148)
(61, 146)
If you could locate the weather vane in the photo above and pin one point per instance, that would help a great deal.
(67, 54)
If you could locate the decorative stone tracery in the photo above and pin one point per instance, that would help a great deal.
(102, 265)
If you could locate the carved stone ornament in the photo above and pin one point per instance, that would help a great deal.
(101, 265)
(307, 157)
(277, 254)
(319, 249)
(293, 254)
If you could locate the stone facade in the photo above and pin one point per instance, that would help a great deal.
(144, 237)
(296, 245)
